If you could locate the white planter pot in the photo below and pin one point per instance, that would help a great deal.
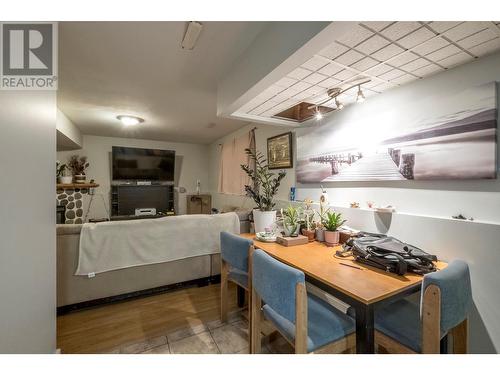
(263, 220)
(65, 179)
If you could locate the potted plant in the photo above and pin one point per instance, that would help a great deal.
(265, 186)
(309, 230)
(331, 223)
(61, 173)
(291, 221)
(78, 165)
(323, 209)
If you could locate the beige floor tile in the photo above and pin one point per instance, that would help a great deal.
(162, 349)
(231, 338)
(233, 317)
(186, 332)
(143, 346)
(201, 343)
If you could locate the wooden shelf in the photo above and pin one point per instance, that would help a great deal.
(76, 186)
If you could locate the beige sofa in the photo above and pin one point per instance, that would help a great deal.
(73, 290)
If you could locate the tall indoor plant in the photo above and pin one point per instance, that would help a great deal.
(265, 186)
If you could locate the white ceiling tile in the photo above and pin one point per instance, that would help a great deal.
(368, 92)
(414, 65)
(427, 70)
(315, 63)
(371, 45)
(416, 38)
(478, 38)
(377, 25)
(405, 78)
(330, 69)
(344, 75)
(443, 53)
(431, 46)
(402, 59)
(459, 58)
(333, 50)
(314, 90)
(301, 86)
(355, 36)
(380, 69)
(392, 74)
(302, 95)
(372, 83)
(442, 26)
(286, 82)
(329, 83)
(464, 30)
(299, 73)
(314, 78)
(350, 57)
(266, 106)
(383, 87)
(486, 48)
(284, 95)
(364, 64)
(387, 52)
(400, 29)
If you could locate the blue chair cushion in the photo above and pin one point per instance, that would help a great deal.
(401, 322)
(325, 324)
(238, 276)
(234, 250)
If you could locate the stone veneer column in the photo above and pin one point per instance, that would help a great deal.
(72, 200)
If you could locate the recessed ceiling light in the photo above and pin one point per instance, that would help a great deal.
(130, 120)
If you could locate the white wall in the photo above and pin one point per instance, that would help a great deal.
(68, 134)
(27, 222)
(424, 207)
(191, 165)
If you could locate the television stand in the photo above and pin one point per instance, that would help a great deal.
(134, 217)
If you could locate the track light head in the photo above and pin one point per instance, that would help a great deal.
(339, 104)
(318, 116)
(361, 97)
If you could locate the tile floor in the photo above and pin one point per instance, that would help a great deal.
(211, 338)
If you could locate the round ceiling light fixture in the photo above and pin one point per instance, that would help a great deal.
(130, 120)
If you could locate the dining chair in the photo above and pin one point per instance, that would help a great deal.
(305, 321)
(445, 302)
(235, 267)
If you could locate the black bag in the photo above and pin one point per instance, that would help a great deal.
(390, 254)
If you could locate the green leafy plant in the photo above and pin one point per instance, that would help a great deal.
(265, 182)
(333, 221)
(292, 218)
(60, 169)
(78, 165)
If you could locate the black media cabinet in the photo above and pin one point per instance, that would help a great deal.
(127, 197)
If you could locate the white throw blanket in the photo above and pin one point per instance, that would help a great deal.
(121, 244)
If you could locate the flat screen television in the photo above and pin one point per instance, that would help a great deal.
(142, 164)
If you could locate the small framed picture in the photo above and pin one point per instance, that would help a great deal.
(279, 151)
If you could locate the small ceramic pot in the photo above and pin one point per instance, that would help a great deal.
(80, 178)
(65, 179)
(291, 230)
(309, 234)
(320, 234)
(332, 238)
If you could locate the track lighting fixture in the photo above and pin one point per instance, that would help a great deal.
(361, 97)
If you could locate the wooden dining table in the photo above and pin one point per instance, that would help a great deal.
(362, 287)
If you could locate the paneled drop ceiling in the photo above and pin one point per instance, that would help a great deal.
(388, 53)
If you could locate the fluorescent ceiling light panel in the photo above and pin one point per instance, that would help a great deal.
(191, 36)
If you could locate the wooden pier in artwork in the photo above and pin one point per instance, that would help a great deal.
(392, 165)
